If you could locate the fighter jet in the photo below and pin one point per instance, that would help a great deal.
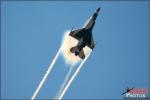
(127, 90)
(84, 36)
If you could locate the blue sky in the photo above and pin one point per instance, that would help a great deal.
(31, 34)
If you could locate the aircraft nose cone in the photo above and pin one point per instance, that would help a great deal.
(98, 9)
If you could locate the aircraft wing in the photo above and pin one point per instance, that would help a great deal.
(90, 43)
(77, 34)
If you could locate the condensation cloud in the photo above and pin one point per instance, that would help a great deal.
(67, 43)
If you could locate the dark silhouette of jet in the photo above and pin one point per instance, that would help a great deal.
(127, 90)
(84, 37)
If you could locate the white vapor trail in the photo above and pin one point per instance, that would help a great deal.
(65, 81)
(46, 75)
(73, 77)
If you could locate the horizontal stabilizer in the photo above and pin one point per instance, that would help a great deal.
(74, 49)
(81, 54)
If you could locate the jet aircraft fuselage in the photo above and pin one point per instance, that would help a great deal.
(84, 37)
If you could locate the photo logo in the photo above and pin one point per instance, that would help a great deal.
(135, 93)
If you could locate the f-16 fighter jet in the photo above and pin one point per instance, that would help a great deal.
(84, 37)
